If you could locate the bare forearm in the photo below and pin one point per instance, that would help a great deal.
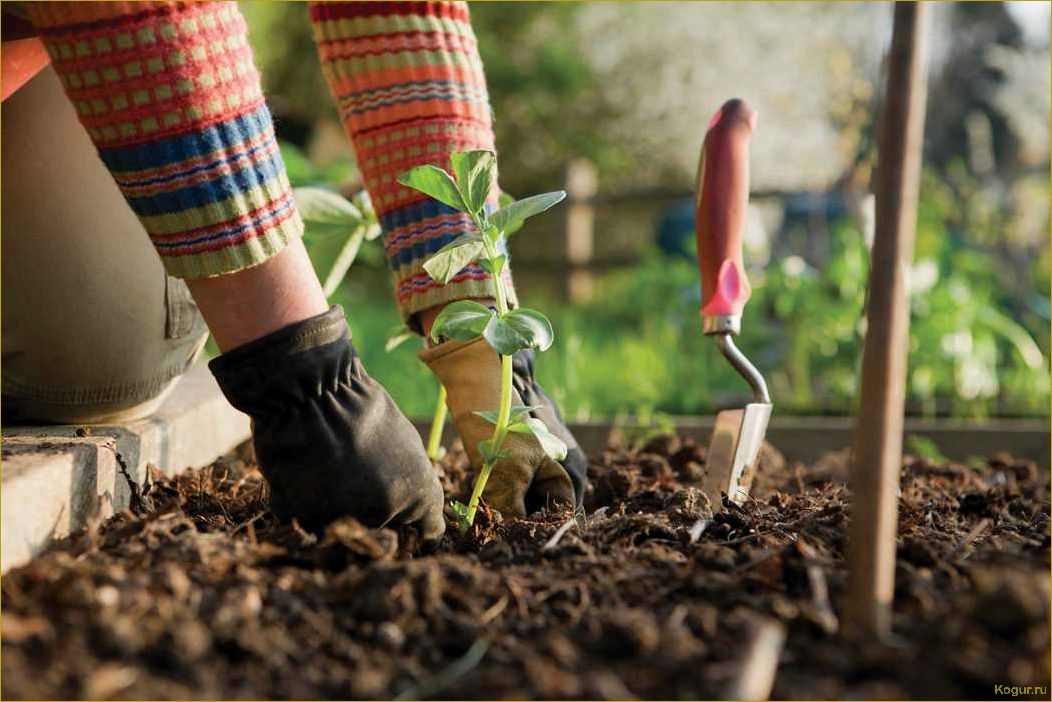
(244, 306)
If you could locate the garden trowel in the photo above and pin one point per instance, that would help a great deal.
(723, 195)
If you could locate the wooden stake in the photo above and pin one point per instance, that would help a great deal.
(581, 186)
(878, 433)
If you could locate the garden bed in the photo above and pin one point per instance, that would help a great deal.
(200, 593)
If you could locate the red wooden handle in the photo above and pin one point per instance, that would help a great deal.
(719, 214)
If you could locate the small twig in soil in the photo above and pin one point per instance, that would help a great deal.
(766, 555)
(494, 611)
(598, 513)
(248, 523)
(558, 535)
(611, 687)
(816, 576)
(756, 678)
(516, 592)
(585, 599)
(748, 537)
(306, 536)
(965, 548)
(427, 689)
(697, 529)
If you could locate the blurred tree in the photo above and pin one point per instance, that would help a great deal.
(962, 96)
(543, 92)
(283, 44)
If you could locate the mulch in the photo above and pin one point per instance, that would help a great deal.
(199, 592)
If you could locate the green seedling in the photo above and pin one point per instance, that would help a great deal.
(335, 229)
(435, 450)
(507, 331)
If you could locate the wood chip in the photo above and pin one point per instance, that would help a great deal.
(756, 676)
(558, 535)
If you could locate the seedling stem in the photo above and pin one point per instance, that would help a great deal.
(438, 421)
(507, 331)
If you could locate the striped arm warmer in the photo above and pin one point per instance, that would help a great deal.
(409, 85)
(169, 95)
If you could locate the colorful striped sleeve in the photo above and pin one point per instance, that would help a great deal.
(409, 85)
(171, 98)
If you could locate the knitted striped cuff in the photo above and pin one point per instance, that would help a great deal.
(412, 234)
(409, 84)
(169, 95)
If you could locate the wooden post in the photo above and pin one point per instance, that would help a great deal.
(581, 186)
(878, 432)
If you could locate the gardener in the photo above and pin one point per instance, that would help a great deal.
(169, 96)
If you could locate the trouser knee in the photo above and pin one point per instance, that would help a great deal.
(93, 329)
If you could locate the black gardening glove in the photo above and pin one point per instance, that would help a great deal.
(329, 439)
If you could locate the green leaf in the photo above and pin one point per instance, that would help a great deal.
(461, 320)
(926, 449)
(494, 265)
(552, 445)
(451, 258)
(505, 338)
(343, 261)
(362, 201)
(298, 167)
(491, 234)
(398, 336)
(325, 212)
(510, 218)
(434, 182)
(334, 231)
(1016, 334)
(373, 231)
(519, 411)
(459, 508)
(531, 326)
(474, 176)
(486, 451)
(516, 412)
(503, 200)
(519, 329)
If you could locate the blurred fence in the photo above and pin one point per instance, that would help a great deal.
(571, 258)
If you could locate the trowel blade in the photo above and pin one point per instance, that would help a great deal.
(733, 450)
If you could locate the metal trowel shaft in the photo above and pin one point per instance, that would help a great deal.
(723, 196)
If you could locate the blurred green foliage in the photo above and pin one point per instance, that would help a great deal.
(287, 60)
(637, 349)
(541, 91)
(979, 341)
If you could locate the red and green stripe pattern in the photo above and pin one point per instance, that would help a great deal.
(408, 81)
(171, 98)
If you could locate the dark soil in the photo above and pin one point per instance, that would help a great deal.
(200, 593)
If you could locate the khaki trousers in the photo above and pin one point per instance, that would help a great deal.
(91, 328)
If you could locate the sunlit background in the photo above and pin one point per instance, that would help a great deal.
(622, 92)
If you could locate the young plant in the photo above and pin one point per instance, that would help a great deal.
(467, 189)
(335, 229)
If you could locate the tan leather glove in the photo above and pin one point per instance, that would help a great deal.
(529, 479)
